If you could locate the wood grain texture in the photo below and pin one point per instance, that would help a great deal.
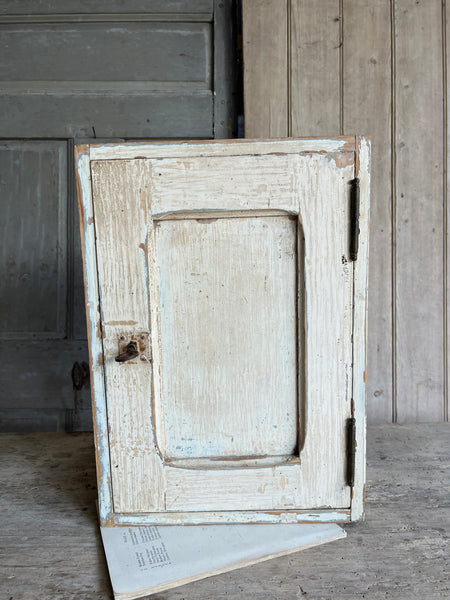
(229, 324)
(225, 80)
(359, 360)
(34, 242)
(49, 493)
(367, 110)
(185, 185)
(123, 113)
(131, 197)
(107, 52)
(419, 209)
(93, 318)
(323, 341)
(446, 57)
(120, 191)
(49, 7)
(241, 147)
(388, 82)
(314, 68)
(265, 35)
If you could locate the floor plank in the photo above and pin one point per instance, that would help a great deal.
(51, 546)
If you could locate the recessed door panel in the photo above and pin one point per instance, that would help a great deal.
(228, 293)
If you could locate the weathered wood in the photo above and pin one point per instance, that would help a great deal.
(224, 69)
(446, 34)
(315, 73)
(48, 495)
(122, 222)
(34, 248)
(146, 211)
(242, 147)
(85, 70)
(265, 40)
(367, 110)
(381, 65)
(52, 7)
(134, 53)
(91, 287)
(419, 211)
(362, 172)
(257, 256)
(43, 370)
(124, 113)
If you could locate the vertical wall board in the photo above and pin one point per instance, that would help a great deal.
(446, 31)
(313, 185)
(315, 68)
(419, 209)
(367, 110)
(265, 34)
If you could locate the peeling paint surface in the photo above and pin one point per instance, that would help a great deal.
(197, 186)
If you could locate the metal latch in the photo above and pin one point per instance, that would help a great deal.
(134, 345)
(131, 351)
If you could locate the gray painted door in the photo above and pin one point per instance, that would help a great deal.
(72, 71)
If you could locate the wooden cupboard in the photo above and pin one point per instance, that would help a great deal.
(227, 328)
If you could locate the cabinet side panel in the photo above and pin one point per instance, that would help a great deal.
(94, 332)
(360, 328)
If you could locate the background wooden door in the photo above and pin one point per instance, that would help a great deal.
(74, 71)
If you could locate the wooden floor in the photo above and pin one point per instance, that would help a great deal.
(51, 548)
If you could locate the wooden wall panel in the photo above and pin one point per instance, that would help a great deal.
(446, 34)
(265, 35)
(380, 66)
(315, 55)
(367, 111)
(419, 211)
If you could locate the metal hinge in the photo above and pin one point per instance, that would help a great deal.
(354, 218)
(351, 451)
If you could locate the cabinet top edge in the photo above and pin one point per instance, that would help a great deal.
(185, 148)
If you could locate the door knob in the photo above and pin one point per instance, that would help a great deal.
(131, 351)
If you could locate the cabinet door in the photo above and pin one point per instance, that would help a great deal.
(226, 265)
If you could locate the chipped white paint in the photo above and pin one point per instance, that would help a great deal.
(219, 148)
(121, 221)
(359, 328)
(201, 265)
(95, 342)
(198, 518)
(148, 213)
